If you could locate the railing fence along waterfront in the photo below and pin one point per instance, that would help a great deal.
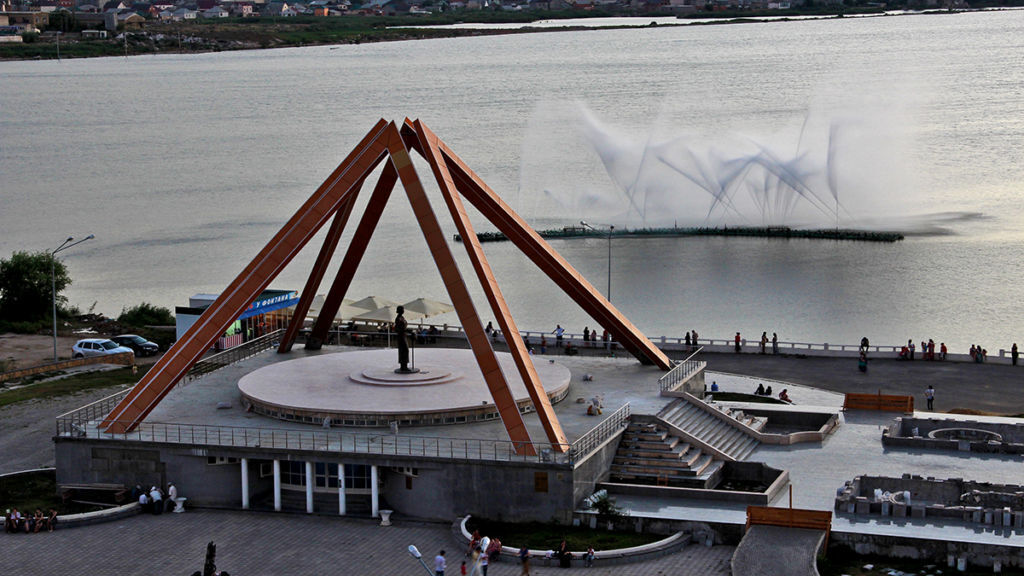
(320, 441)
(680, 372)
(598, 434)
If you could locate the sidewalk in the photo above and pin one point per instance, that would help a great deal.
(256, 543)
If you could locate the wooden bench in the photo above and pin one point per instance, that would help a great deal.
(882, 402)
(70, 491)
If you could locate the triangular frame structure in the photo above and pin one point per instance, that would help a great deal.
(334, 199)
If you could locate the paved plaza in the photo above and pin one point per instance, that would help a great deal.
(257, 543)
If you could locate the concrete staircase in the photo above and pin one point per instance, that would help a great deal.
(728, 434)
(649, 454)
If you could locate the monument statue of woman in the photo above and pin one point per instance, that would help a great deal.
(401, 328)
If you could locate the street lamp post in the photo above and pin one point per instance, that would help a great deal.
(611, 229)
(415, 553)
(53, 282)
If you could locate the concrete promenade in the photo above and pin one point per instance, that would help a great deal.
(258, 544)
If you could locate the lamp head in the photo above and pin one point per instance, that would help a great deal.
(484, 543)
(70, 238)
(414, 552)
(90, 236)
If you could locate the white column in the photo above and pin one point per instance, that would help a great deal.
(277, 485)
(374, 493)
(245, 483)
(309, 487)
(341, 489)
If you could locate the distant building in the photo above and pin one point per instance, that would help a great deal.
(216, 12)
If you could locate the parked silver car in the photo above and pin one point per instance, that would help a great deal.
(97, 347)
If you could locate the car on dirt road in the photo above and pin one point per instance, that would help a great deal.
(98, 347)
(138, 344)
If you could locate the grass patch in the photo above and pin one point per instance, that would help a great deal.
(740, 397)
(26, 492)
(539, 536)
(72, 385)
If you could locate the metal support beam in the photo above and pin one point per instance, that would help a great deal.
(309, 487)
(277, 485)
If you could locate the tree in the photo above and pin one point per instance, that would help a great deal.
(146, 314)
(25, 286)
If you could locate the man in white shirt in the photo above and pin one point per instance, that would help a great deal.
(156, 497)
(439, 564)
(172, 496)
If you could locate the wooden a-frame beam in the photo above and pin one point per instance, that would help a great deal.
(492, 207)
(323, 259)
(353, 256)
(428, 147)
(299, 229)
(483, 352)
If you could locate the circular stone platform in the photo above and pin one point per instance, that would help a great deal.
(361, 388)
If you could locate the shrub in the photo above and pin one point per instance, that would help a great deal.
(146, 314)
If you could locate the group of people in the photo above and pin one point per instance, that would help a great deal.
(927, 350)
(155, 501)
(762, 390)
(763, 345)
(979, 355)
(15, 521)
(481, 558)
(691, 339)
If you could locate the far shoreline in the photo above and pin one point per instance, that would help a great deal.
(374, 29)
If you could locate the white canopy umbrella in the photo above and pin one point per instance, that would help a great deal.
(426, 307)
(386, 314)
(373, 303)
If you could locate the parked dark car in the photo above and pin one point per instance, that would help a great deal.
(138, 344)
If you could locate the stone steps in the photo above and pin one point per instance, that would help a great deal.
(713, 427)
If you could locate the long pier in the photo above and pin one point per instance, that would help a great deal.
(669, 232)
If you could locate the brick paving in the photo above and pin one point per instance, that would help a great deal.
(258, 543)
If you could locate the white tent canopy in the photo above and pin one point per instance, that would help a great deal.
(386, 314)
(426, 307)
(373, 303)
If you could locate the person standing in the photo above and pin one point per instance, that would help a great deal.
(687, 340)
(586, 336)
(1014, 354)
(156, 497)
(910, 346)
(439, 564)
(172, 496)
(764, 342)
(775, 343)
(693, 338)
(558, 332)
(929, 396)
(943, 351)
(524, 560)
(737, 340)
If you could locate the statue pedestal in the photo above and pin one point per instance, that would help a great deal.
(407, 371)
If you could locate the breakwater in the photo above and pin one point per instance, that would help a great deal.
(746, 231)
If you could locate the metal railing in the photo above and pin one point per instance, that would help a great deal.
(680, 372)
(236, 354)
(598, 434)
(321, 441)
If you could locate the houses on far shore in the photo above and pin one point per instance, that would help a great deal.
(20, 16)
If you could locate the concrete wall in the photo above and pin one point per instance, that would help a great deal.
(595, 468)
(931, 551)
(492, 490)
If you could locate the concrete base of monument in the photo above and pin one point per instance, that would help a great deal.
(361, 388)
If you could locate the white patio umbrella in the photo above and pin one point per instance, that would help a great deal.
(386, 314)
(426, 307)
(372, 303)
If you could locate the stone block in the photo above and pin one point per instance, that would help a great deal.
(899, 510)
(863, 506)
(917, 511)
